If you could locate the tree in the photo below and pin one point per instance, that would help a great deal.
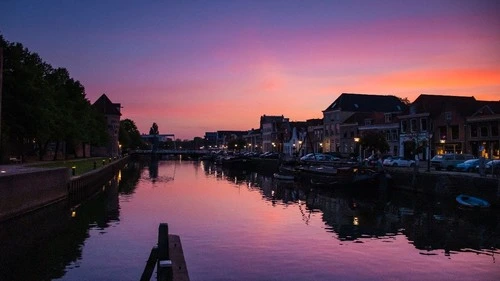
(376, 141)
(129, 136)
(154, 130)
(43, 105)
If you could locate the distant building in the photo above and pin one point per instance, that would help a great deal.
(271, 128)
(210, 140)
(253, 139)
(112, 115)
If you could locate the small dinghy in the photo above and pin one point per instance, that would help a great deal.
(472, 202)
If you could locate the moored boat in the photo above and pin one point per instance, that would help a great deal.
(283, 176)
(471, 201)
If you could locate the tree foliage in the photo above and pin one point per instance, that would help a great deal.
(42, 105)
(374, 141)
(154, 130)
(129, 136)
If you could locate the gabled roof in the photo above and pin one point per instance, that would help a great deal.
(104, 105)
(493, 105)
(487, 108)
(367, 103)
(314, 122)
(437, 104)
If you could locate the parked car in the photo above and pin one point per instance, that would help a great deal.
(398, 162)
(318, 157)
(449, 161)
(468, 165)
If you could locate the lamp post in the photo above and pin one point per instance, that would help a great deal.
(429, 143)
(357, 141)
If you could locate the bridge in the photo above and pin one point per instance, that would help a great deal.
(198, 152)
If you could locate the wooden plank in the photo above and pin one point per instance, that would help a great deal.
(179, 267)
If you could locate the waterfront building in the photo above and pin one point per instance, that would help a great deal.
(482, 136)
(225, 137)
(362, 122)
(272, 129)
(253, 140)
(434, 124)
(210, 140)
(315, 133)
(345, 106)
(111, 112)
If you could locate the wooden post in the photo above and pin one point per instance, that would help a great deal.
(150, 265)
(164, 262)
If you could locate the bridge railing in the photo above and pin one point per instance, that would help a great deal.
(172, 151)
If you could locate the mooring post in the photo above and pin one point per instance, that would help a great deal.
(150, 265)
(164, 262)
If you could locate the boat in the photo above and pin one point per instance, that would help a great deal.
(471, 201)
(283, 177)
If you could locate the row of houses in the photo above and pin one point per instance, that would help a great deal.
(432, 124)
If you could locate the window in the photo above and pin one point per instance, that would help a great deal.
(388, 135)
(394, 135)
(388, 117)
(423, 124)
(404, 126)
(447, 116)
(494, 129)
(473, 131)
(484, 131)
(368, 121)
(442, 133)
(413, 124)
(454, 132)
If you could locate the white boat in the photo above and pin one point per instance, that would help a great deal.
(283, 177)
(472, 202)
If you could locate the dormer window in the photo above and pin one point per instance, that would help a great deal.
(388, 118)
(447, 116)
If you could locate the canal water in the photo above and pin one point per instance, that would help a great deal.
(242, 225)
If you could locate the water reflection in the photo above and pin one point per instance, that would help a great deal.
(433, 225)
(45, 244)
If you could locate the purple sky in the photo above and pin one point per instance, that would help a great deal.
(197, 66)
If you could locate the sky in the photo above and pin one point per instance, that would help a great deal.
(200, 66)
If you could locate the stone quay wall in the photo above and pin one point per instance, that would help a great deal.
(29, 190)
(447, 183)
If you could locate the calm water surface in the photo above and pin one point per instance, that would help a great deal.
(237, 225)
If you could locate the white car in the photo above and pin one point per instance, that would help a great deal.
(398, 162)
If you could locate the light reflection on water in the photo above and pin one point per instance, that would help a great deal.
(237, 225)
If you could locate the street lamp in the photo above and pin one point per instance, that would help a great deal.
(357, 141)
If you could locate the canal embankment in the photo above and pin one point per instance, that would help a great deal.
(25, 189)
(446, 183)
(441, 183)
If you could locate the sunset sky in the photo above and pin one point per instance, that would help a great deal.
(198, 66)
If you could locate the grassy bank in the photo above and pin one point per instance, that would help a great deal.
(82, 166)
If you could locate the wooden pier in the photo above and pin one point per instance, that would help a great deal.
(168, 257)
